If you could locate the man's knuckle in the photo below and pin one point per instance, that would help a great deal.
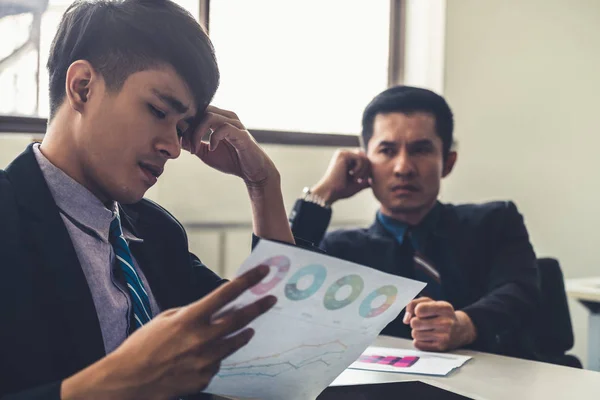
(179, 323)
(231, 126)
(198, 341)
(446, 305)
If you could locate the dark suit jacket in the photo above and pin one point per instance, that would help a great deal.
(486, 262)
(49, 327)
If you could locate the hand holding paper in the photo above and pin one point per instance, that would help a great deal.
(328, 312)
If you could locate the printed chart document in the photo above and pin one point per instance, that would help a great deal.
(328, 312)
(408, 361)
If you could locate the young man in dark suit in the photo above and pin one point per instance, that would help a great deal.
(480, 268)
(98, 291)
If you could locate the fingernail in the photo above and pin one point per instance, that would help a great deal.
(406, 318)
(351, 172)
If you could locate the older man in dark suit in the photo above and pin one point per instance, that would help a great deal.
(480, 268)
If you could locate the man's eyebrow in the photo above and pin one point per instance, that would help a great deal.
(421, 142)
(175, 104)
(387, 143)
(172, 101)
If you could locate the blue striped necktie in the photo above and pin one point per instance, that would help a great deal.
(142, 313)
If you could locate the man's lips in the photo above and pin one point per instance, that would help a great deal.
(151, 172)
(154, 170)
(404, 188)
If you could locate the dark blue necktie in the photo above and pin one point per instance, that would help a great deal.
(142, 313)
(425, 271)
(413, 263)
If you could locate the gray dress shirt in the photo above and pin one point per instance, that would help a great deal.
(88, 222)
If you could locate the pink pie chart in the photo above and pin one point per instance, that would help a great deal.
(281, 264)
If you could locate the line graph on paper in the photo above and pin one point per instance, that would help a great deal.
(295, 358)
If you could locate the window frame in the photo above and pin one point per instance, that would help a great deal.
(35, 125)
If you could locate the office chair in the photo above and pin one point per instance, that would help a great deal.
(552, 326)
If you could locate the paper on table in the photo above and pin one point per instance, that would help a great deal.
(328, 312)
(408, 361)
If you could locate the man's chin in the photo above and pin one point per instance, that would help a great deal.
(129, 197)
(406, 207)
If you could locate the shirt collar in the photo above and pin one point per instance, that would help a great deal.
(76, 202)
(419, 232)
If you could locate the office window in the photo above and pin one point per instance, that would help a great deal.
(27, 28)
(306, 66)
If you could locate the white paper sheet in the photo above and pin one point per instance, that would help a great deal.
(408, 361)
(328, 312)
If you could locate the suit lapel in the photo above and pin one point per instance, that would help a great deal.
(448, 252)
(383, 248)
(56, 259)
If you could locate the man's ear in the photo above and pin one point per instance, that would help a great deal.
(80, 84)
(449, 163)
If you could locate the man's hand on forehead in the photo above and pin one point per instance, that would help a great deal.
(221, 141)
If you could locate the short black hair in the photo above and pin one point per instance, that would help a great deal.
(408, 100)
(121, 37)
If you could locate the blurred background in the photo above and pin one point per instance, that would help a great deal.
(522, 77)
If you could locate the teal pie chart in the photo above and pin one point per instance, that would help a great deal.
(318, 274)
(366, 310)
(356, 284)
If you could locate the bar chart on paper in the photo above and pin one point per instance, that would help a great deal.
(408, 361)
(328, 312)
(392, 361)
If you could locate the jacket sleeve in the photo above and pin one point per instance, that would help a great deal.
(309, 221)
(46, 392)
(513, 290)
(204, 278)
(9, 221)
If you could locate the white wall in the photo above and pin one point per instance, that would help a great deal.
(523, 78)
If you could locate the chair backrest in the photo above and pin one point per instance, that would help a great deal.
(553, 328)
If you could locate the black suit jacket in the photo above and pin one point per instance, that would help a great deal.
(486, 262)
(49, 327)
